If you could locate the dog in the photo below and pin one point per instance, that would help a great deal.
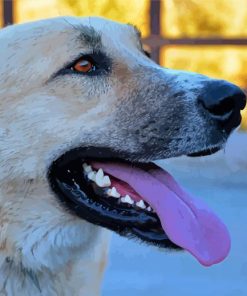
(84, 112)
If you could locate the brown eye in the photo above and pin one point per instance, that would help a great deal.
(84, 66)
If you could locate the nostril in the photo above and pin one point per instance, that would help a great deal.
(222, 100)
(221, 108)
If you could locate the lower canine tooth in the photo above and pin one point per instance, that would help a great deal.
(113, 192)
(101, 180)
(87, 168)
(106, 181)
(127, 199)
(141, 204)
(149, 209)
(100, 174)
(91, 176)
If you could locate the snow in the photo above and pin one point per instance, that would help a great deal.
(135, 269)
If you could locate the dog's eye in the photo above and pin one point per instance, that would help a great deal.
(84, 65)
(91, 64)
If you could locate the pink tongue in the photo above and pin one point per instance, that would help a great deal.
(188, 222)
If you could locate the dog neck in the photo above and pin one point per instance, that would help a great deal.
(77, 277)
(16, 280)
(45, 250)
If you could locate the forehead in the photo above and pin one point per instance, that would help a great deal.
(89, 31)
(108, 33)
(53, 43)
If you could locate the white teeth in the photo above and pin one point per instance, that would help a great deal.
(91, 176)
(87, 168)
(141, 204)
(127, 199)
(106, 181)
(98, 178)
(100, 174)
(101, 180)
(113, 192)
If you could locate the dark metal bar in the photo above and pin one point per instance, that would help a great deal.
(157, 41)
(8, 17)
(155, 16)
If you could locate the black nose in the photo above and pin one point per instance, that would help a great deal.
(223, 101)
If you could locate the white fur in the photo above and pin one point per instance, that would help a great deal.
(41, 245)
(44, 249)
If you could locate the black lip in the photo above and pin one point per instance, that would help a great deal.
(204, 152)
(83, 201)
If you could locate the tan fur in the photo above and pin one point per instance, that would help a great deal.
(45, 249)
(38, 237)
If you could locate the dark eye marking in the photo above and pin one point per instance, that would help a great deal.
(84, 65)
(90, 64)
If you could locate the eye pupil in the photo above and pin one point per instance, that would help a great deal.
(84, 66)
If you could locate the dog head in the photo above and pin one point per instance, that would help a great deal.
(79, 94)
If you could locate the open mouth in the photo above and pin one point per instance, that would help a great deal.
(138, 200)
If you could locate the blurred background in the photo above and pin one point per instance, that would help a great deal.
(209, 37)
